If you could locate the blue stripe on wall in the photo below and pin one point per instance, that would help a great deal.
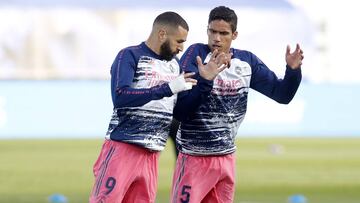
(82, 109)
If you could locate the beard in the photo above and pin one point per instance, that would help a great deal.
(165, 51)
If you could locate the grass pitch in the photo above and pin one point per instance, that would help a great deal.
(269, 170)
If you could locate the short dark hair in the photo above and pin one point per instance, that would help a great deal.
(171, 19)
(224, 13)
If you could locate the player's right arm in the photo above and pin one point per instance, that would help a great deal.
(192, 61)
(122, 75)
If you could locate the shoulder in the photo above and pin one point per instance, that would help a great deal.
(241, 54)
(132, 49)
(194, 50)
(245, 55)
(198, 48)
(130, 52)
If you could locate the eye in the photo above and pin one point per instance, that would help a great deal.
(212, 31)
(224, 33)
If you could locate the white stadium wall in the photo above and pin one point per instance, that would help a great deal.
(55, 58)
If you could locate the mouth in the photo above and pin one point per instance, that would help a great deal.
(214, 46)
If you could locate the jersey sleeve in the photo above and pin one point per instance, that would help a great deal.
(122, 75)
(266, 82)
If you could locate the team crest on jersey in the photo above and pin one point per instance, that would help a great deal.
(238, 70)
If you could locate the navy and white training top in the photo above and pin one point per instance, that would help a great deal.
(210, 121)
(142, 99)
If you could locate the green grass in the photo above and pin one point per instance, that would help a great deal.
(325, 170)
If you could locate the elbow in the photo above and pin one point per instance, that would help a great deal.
(287, 95)
(285, 100)
(120, 102)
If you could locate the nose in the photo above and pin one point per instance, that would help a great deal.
(216, 37)
(180, 47)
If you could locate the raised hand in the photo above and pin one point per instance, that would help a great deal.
(217, 63)
(294, 59)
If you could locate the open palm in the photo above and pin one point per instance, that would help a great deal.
(294, 59)
(217, 63)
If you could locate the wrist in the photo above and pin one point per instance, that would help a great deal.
(179, 84)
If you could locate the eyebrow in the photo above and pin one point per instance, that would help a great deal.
(221, 32)
(180, 41)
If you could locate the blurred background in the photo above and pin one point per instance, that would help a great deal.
(55, 59)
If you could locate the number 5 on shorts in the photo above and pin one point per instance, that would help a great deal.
(185, 194)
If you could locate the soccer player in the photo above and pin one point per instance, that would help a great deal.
(145, 80)
(205, 167)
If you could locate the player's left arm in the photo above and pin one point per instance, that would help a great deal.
(266, 82)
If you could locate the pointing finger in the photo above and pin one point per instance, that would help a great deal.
(287, 50)
(222, 67)
(214, 54)
(298, 48)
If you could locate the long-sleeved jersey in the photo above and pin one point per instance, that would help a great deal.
(142, 99)
(210, 126)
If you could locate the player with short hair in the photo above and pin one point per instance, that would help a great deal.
(145, 80)
(205, 168)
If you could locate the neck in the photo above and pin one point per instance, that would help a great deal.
(153, 44)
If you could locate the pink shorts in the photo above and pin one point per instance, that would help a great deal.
(204, 179)
(125, 173)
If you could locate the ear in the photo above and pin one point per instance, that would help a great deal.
(234, 35)
(162, 35)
